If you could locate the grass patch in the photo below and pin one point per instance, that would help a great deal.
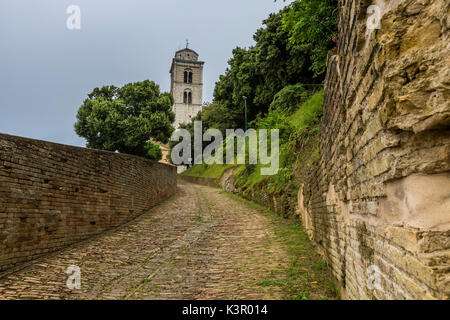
(307, 275)
(309, 112)
(145, 280)
(268, 283)
(248, 175)
(319, 265)
(214, 171)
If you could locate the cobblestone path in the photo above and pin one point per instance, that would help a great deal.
(199, 244)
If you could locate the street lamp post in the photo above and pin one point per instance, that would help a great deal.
(245, 103)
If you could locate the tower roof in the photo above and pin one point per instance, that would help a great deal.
(186, 56)
(185, 49)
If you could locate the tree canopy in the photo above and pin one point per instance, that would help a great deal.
(291, 48)
(124, 119)
(312, 24)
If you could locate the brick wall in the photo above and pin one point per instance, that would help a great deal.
(378, 204)
(53, 195)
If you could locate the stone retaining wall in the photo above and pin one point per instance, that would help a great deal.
(378, 203)
(53, 195)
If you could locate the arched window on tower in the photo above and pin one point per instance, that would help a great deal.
(188, 76)
(187, 97)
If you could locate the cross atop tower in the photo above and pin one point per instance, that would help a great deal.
(187, 43)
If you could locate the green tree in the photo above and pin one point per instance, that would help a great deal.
(312, 24)
(262, 70)
(124, 119)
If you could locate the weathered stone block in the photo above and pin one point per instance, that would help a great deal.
(385, 151)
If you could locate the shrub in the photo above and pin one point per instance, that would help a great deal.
(289, 98)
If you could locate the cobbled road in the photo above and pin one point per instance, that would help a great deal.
(199, 244)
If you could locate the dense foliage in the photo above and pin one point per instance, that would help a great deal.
(298, 146)
(124, 119)
(290, 50)
(312, 24)
(261, 71)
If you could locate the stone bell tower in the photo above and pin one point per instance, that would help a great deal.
(186, 85)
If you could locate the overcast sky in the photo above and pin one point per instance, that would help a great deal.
(47, 70)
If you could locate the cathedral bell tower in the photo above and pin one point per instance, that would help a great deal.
(186, 76)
